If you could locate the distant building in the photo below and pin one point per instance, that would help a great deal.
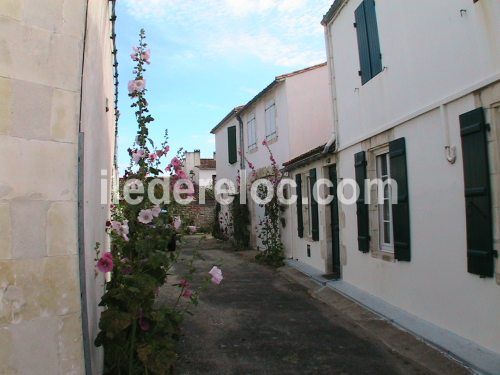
(293, 114)
(202, 171)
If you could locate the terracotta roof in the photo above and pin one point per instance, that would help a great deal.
(236, 111)
(332, 12)
(207, 164)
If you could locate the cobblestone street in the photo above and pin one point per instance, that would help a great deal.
(258, 322)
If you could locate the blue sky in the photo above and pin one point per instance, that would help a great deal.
(208, 56)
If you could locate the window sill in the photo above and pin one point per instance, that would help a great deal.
(272, 139)
(252, 150)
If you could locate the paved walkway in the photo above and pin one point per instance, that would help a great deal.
(258, 322)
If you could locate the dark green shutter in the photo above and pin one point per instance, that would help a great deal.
(363, 46)
(370, 59)
(300, 221)
(231, 145)
(314, 207)
(373, 41)
(361, 207)
(477, 193)
(401, 210)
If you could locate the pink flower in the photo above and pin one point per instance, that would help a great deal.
(136, 85)
(182, 175)
(184, 283)
(105, 264)
(176, 163)
(177, 222)
(108, 255)
(169, 168)
(145, 216)
(138, 155)
(264, 142)
(156, 210)
(159, 153)
(153, 156)
(120, 228)
(216, 274)
(166, 149)
(188, 293)
(146, 56)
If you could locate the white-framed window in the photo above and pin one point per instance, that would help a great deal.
(271, 120)
(251, 132)
(386, 231)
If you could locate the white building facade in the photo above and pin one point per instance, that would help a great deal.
(416, 97)
(292, 115)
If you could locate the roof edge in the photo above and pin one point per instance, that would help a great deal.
(332, 12)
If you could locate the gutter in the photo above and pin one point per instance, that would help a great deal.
(81, 219)
(242, 145)
(333, 92)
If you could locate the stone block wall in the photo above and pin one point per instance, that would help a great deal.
(41, 54)
(202, 215)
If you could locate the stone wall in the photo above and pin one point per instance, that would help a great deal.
(41, 54)
(202, 215)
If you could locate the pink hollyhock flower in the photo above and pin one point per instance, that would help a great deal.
(169, 168)
(153, 156)
(159, 153)
(156, 211)
(146, 56)
(176, 162)
(177, 222)
(138, 155)
(124, 230)
(184, 283)
(182, 175)
(188, 293)
(143, 322)
(145, 216)
(216, 274)
(132, 87)
(105, 264)
(264, 142)
(166, 149)
(140, 84)
(108, 254)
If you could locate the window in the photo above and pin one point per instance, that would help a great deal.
(271, 120)
(252, 136)
(385, 210)
(370, 59)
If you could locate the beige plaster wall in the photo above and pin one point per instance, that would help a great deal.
(41, 51)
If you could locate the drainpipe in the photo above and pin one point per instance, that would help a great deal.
(333, 92)
(450, 151)
(242, 146)
(81, 219)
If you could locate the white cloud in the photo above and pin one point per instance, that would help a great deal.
(281, 32)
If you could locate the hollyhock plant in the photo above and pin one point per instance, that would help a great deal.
(138, 335)
(105, 264)
(145, 216)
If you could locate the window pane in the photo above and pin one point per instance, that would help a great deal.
(387, 232)
(386, 211)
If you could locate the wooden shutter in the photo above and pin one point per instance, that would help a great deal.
(231, 145)
(300, 221)
(361, 207)
(477, 193)
(373, 41)
(314, 207)
(363, 46)
(401, 210)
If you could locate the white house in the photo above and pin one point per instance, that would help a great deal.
(202, 170)
(416, 95)
(293, 113)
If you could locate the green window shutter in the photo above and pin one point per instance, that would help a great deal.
(231, 145)
(361, 207)
(314, 207)
(363, 46)
(401, 210)
(373, 41)
(300, 221)
(477, 193)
